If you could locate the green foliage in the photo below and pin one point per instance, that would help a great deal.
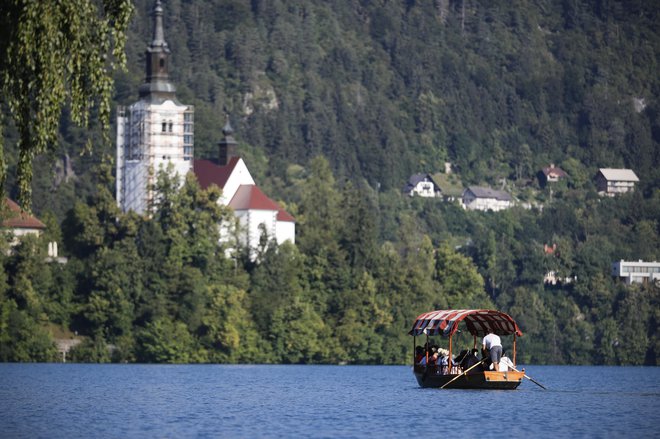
(337, 105)
(55, 53)
(91, 350)
(167, 341)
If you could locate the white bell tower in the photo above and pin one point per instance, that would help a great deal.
(153, 133)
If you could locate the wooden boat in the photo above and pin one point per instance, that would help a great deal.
(478, 322)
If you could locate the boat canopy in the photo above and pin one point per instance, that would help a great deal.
(479, 322)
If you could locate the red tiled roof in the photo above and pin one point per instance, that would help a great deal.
(208, 172)
(19, 219)
(250, 197)
(283, 215)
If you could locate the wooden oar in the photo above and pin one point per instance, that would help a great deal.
(460, 375)
(529, 378)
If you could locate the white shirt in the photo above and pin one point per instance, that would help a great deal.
(505, 364)
(492, 340)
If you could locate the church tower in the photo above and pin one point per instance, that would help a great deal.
(154, 133)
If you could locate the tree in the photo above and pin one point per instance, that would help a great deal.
(167, 341)
(54, 53)
(460, 282)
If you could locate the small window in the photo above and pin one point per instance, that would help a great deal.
(164, 126)
(170, 126)
(162, 62)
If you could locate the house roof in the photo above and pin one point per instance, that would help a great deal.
(19, 219)
(486, 192)
(417, 178)
(552, 169)
(208, 172)
(618, 174)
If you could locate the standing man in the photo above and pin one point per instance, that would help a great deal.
(493, 344)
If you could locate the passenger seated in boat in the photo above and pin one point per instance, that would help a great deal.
(442, 360)
(486, 365)
(419, 354)
(432, 358)
(506, 364)
(469, 358)
(461, 356)
(458, 360)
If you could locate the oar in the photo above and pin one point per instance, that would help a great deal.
(458, 376)
(531, 379)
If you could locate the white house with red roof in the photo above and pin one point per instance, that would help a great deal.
(19, 222)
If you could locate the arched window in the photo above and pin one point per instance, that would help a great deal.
(164, 126)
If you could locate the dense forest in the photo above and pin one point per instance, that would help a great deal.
(336, 105)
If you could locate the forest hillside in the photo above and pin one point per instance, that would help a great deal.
(336, 104)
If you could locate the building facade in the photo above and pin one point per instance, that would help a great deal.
(422, 185)
(155, 133)
(256, 214)
(612, 182)
(551, 174)
(482, 198)
(636, 271)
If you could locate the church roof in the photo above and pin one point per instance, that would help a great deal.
(284, 216)
(247, 196)
(19, 219)
(250, 197)
(208, 172)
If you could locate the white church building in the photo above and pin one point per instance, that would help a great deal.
(158, 131)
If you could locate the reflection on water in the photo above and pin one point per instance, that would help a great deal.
(69, 400)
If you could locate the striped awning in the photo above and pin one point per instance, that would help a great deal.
(478, 322)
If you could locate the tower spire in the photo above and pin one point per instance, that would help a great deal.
(227, 145)
(157, 84)
(158, 39)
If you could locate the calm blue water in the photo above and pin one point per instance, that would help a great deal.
(145, 401)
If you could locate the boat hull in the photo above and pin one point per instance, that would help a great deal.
(472, 380)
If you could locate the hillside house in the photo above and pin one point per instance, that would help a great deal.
(423, 185)
(482, 198)
(636, 272)
(612, 182)
(551, 174)
(19, 222)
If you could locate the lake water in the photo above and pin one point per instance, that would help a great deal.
(181, 401)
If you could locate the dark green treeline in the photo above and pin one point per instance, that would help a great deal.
(383, 90)
(162, 290)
